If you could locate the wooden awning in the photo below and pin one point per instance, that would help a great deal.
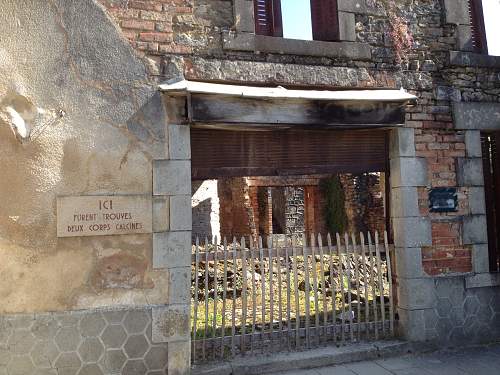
(248, 107)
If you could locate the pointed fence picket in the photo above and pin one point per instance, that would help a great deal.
(250, 299)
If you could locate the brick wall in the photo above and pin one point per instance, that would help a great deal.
(191, 34)
(149, 26)
(442, 147)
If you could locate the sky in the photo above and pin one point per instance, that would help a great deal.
(491, 10)
(297, 19)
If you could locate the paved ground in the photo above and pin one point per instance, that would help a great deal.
(471, 361)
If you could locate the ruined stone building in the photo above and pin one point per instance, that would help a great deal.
(128, 127)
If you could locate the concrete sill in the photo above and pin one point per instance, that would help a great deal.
(268, 44)
(482, 280)
(458, 58)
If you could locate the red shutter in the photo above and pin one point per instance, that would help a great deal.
(477, 25)
(325, 20)
(268, 17)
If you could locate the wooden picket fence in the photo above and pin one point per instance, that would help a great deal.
(249, 298)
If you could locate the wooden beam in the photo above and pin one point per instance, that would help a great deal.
(207, 108)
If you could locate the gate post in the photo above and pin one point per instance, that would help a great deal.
(411, 232)
(172, 244)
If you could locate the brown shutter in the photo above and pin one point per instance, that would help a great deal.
(224, 153)
(268, 17)
(491, 171)
(325, 20)
(477, 25)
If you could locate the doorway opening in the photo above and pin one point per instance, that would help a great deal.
(290, 249)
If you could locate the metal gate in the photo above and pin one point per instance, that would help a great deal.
(249, 297)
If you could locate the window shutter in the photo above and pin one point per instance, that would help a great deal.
(325, 20)
(268, 17)
(477, 25)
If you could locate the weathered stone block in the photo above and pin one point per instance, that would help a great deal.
(353, 50)
(179, 358)
(180, 279)
(464, 38)
(408, 262)
(171, 249)
(404, 202)
(448, 93)
(347, 27)
(415, 294)
(457, 12)
(402, 143)
(171, 323)
(477, 203)
(476, 116)
(180, 213)
(470, 172)
(480, 259)
(171, 177)
(412, 232)
(179, 142)
(244, 16)
(482, 280)
(161, 214)
(412, 323)
(473, 147)
(238, 41)
(475, 230)
(458, 58)
(408, 172)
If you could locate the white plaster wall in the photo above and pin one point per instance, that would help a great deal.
(66, 57)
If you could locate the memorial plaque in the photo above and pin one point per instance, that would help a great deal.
(443, 200)
(104, 215)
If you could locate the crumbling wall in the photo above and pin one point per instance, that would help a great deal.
(78, 116)
(237, 207)
(364, 202)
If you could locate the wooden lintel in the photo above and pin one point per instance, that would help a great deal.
(207, 108)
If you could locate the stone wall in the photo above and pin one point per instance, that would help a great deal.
(109, 125)
(295, 202)
(81, 342)
(104, 132)
(98, 127)
(213, 40)
(364, 202)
